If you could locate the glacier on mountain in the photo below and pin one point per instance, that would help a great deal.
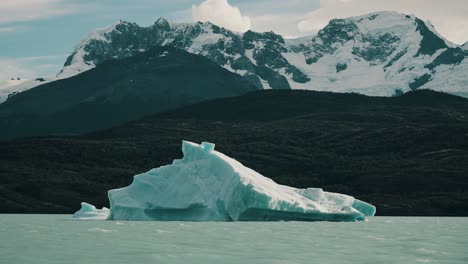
(206, 185)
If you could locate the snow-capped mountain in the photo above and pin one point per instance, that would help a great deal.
(384, 53)
(235, 52)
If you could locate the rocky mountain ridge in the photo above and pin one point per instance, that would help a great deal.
(383, 54)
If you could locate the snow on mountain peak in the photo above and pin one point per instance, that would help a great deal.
(162, 23)
(77, 62)
(100, 33)
(384, 22)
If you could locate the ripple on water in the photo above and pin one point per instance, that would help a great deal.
(380, 240)
(426, 251)
(424, 260)
(97, 229)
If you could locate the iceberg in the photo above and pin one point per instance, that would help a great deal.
(90, 212)
(206, 185)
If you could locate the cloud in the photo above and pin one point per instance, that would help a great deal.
(279, 16)
(8, 29)
(26, 10)
(449, 17)
(12, 69)
(221, 13)
(29, 67)
(283, 24)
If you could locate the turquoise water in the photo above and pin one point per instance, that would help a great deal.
(58, 239)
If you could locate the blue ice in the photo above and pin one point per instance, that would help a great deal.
(206, 185)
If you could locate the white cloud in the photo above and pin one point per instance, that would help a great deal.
(7, 29)
(449, 17)
(12, 68)
(279, 16)
(221, 13)
(26, 10)
(29, 67)
(283, 24)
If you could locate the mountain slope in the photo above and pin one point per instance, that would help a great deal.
(408, 155)
(383, 53)
(118, 91)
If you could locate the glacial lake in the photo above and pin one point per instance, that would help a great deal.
(59, 239)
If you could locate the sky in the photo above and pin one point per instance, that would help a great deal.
(36, 36)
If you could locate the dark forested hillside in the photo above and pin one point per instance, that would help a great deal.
(116, 92)
(408, 155)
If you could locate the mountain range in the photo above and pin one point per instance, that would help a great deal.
(382, 54)
(379, 54)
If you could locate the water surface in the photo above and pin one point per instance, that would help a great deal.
(58, 239)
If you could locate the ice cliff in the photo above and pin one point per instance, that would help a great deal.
(206, 185)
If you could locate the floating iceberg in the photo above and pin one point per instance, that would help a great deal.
(206, 185)
(90, 212)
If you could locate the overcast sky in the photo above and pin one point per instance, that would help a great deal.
(37, 35)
